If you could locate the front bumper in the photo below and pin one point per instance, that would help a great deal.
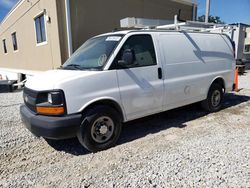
(51, 127)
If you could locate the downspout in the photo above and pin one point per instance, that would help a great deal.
(68, 26)
(194, 18)
(207, 11)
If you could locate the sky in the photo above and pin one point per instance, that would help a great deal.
(230, 11)
(5, 6)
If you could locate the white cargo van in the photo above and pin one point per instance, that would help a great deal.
(121, 76)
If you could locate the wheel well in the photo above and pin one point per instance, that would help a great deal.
(109, 103)
(220, 82)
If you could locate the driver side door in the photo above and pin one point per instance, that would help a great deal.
(140, 83)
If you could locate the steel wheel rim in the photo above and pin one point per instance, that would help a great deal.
(102, 129)
(216, 98)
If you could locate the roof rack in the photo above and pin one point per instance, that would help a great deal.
(143, 23)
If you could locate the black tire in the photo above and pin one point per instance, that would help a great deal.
(90, 130)
(209, 104)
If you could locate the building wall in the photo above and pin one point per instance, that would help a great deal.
(29, 55)
(88, 18)
(92, 17)
(247, 40)
(61, 14)
(247, 43)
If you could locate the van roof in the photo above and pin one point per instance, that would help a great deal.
(124, 32)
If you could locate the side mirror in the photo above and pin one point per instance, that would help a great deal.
(127, 58)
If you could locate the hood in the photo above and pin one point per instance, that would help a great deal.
(49, 79)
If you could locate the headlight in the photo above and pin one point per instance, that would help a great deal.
(50, 98)
(55, 98)
(51, 103)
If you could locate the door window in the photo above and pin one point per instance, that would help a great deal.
(143, 49)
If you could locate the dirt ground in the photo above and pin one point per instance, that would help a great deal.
(185, 147)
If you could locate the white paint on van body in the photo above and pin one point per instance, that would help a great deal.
(190, 63)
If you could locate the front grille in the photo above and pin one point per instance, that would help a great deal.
(30, 97)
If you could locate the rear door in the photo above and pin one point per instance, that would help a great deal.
(140, 84)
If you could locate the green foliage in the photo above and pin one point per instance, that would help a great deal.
(211, 19)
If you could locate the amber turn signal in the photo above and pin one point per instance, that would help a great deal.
(50, 110)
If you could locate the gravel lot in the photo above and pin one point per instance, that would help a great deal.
(181, 148)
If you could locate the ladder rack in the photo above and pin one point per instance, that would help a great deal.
(142, 23)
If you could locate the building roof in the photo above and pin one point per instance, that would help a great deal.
(189, 2)
(247, 25)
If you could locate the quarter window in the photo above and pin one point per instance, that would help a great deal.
(40, 29)
(4, 46)
(143, 49)
(14, 41)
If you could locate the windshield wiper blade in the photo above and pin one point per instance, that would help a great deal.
(77, 67)
(73, 66)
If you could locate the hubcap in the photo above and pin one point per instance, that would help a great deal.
(216, 98)
(102, 129)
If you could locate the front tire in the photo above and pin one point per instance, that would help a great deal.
(214, 99)
(100, 128)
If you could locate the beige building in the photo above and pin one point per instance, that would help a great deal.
(42, 34)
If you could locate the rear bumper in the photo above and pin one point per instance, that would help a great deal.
(49, 126)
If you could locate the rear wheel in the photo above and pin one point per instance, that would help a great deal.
(214, 99)
(100, 128)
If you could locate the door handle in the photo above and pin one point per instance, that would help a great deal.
(159, 73)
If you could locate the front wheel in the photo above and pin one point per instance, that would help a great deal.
(100, 128)
(214, 99)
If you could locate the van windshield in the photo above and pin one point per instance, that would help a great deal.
(93, 54)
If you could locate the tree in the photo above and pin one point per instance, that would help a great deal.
(211, 19)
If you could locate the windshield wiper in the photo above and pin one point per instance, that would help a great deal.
(77, 67)
(73, 67)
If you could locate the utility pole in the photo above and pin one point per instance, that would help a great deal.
(207, 10)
